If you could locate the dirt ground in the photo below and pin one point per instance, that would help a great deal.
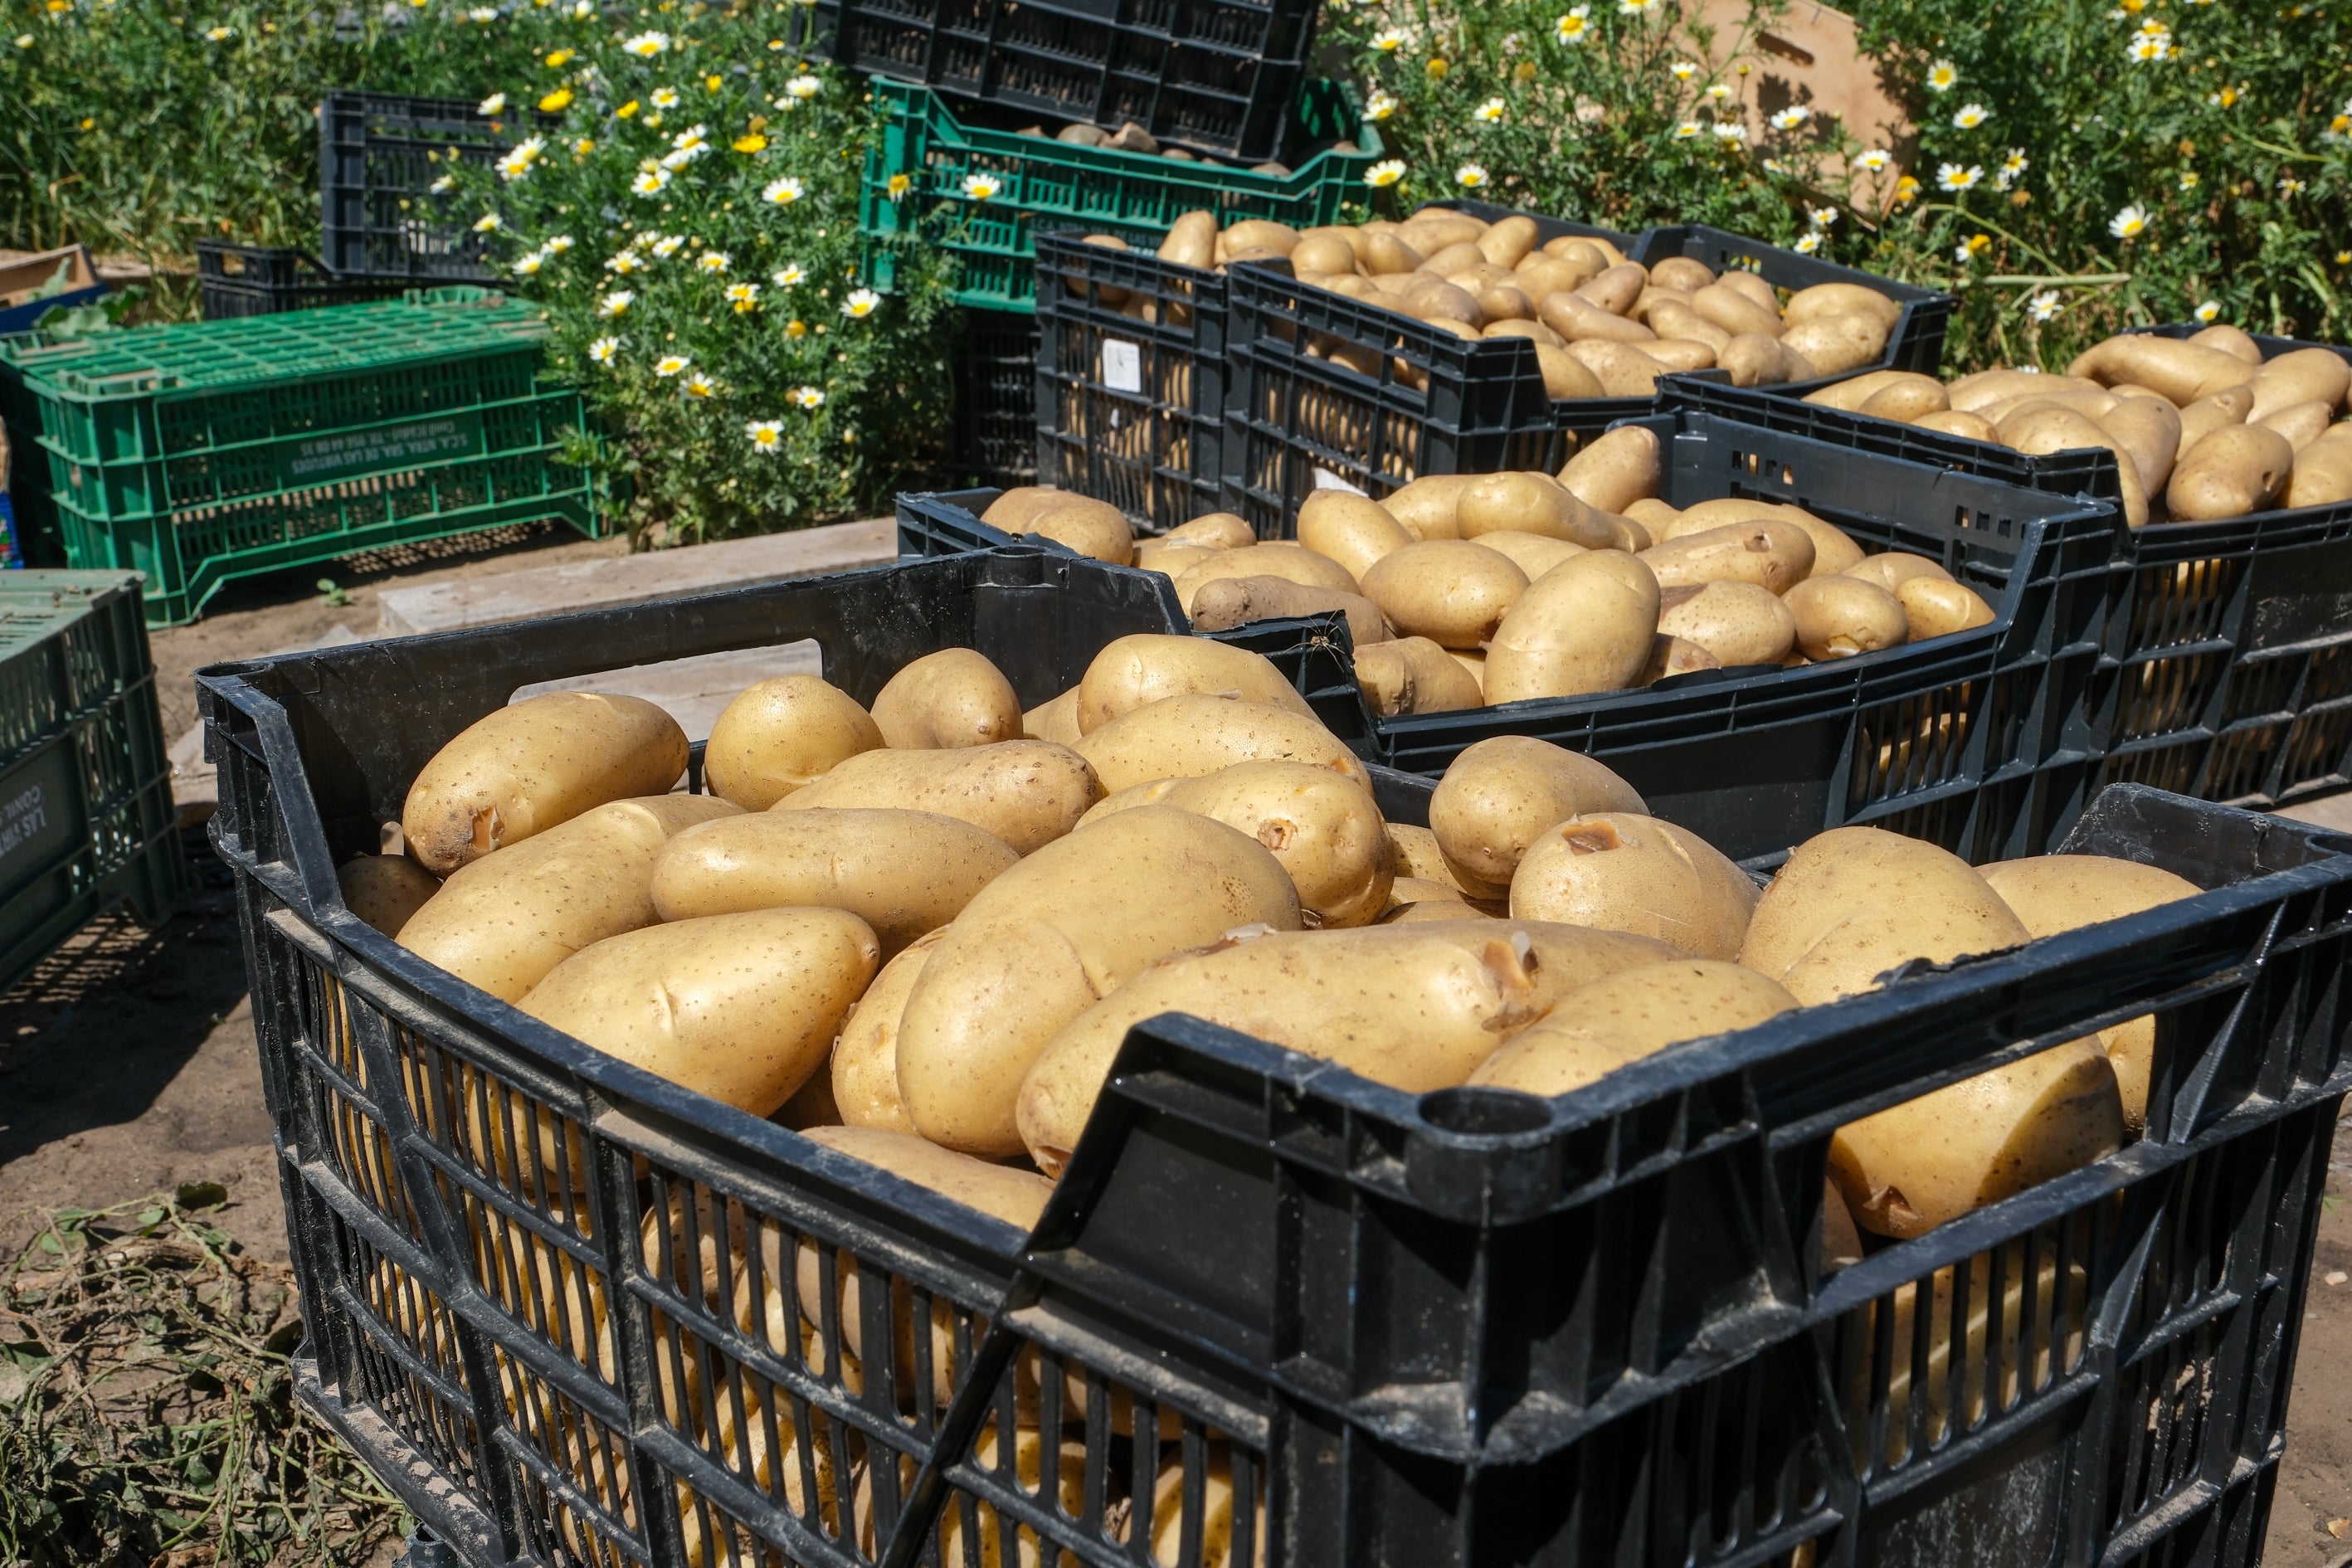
(128, 1063)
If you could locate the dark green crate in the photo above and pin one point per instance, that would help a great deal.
(1048, 185)
(201, 453)
(86, 814)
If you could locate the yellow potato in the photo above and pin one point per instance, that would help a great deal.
(1675, 322)
(1684, 273)
(1413, 675)
(1952, 422)
(1973, 394)
(2322, 470)
(1842, 342)
(1672, 655)
(533, 765)
(1089, 527)
(1622, 369)
(2199, 419)
(1773, 553)
(1187, 736)
(1731, 308)
(1565, 377)
(1530, 503)
(1191, 240)
(2231, 340)
(1615, 287)
(1891, 570)
(1137, 670)
(2039, 427)
(1416, 1006)
(1322, 253)
(1348, 529)
(1752, 359)
(1027, 793)
(1502, 793)
(2299, 375)
(2300, 423)
(1276, 559)
(1614, 469)
(1013, 508)
(1048, 940)
(1924, 394)
(2149, 428)
(1578, 320)
(1630, 872)
(2053, 893)
(1171, 558)
(1055, 719)
(775, 737)
(1933, 609)
(1237, 601)
(1854, 902)
(1324, 830)
(1418, 858)
(739, 1007)
(955, 697)
(1450, 591)
(504, 920)
(1737, 623)
(1532, 554)
(1428, 507)
(1840, 617)
(1586, 627)
(2234, 471)
(1630, 1014)
(2182, 372)
(864, 1076)
(384, 889)
(902, 872)
(1833, 547)
(1214, 531)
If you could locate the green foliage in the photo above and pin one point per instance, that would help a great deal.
(686, 213)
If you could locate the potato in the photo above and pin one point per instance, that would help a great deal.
(1911, 1167)
(1972, 393)
(2053, 893)
(1216, 530)
(1774, 554)
(955, 697)
(1677, 322)
(2299, 375)
(2025, 1346)
(1630, 1014)
(2149, 428)
(1892, 569)
(504, 921)
(2229, 407)
(1629, 872)
(1586, 627)
(2040, 430)
(1654, 515)
(1520, 327)
(1415, 1007)
(1227, 602)
(1509, 241)
(1137, 670)
(1952, 422)
(1090, 527)
(1027, 793)
(1249, 231)
(1737, 623)
(1838, 300)
(1854, 902)
(1615, 469)
(1048, 938)
(1914, 392)
(1933, 609)
(1579, 320)
(1532, 554)
(1170, 559)
(1672, 655)
(1528, 503)
(1413, 675)
(2322, 470)
(1623, 370)
(2300, 423)
(2231, 340)
(533, 765)
(1013, 510)
(1752, 359)
(1502, 793)
(1615, 287)
(1274, 559)
(384, 889)
(1450, 591)
(1348, 529)
(1191, 240)
(1417, 855)
(1731, 308)
(1322, 253)
(1839, 617)
(902, 872)
(1501, 303)
(1565, 377)
(1388, 254)
(1682, 272)
(740, 1007)
(1833, 344)
(2182, 372)
(1833, 547)
(1055, 719)
(865, 1075)
(1428, 507)
(1189, 735)
(1323, 828)
(2236, 469)
(778, 735)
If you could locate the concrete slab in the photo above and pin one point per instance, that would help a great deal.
(633, 579)
(2328, 811)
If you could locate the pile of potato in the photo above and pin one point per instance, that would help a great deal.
(1603, 326)
(920, 932)
(1462, 590)
(2202, 428)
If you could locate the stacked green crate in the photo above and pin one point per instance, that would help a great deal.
(86, 815)
(201, 453)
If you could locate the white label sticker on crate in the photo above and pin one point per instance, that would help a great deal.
(1122, 365)
(1325, 479)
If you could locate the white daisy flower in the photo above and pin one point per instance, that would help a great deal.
(1389, 41)
(1689, 129)
(2209, 311)
(2130, 223)
(1953, 178)
(518, 160)
(1470, 177)
(664, 97)
(670, 364)
(443, 185)
(1942, 76)
(1808, 243)
(494, 104)
(650, 182)
(527, 266)
(1731, 130)
(1823, 217)
(982, 187)
(712, 261)
(1873, 159)
(645, 45)
(626, 262)
(1378, 106)
(1971, 116)
(1718, 90)
(616, 303)
(604, 350)
(744, 296)
(220, 35)
(1575, 28)
(784, 192)
(1684, 70)
(486, 224)
(698, 385)
(788, 276)
(1384, 173)
(2042, 306)
(766, 435)
(806, 396)
(803, 87)
(861, 303)
(557, 245)
(1489, 111)
(1789, 119)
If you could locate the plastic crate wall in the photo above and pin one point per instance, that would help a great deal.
(1447, 1328)
(1217, 77)
(1044, 184)
(996, 397)
(378, 155)
(87, 820)
(235, 280)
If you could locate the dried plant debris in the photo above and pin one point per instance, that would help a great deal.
(147, 1417)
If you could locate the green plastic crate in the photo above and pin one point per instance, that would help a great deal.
(201, 453)
(1047, 186)
(86, 815)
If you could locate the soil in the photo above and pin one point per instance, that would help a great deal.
(128, 1064)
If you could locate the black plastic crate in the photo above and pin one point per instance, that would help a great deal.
(1214, 76)
(1459, 1328)
(379, 156)
(264, 279)
(1130, 411)
(2228, 664)
(996, 396)
(1986, 742)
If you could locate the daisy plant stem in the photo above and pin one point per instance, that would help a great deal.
(1982, 222)
(2080, 280)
